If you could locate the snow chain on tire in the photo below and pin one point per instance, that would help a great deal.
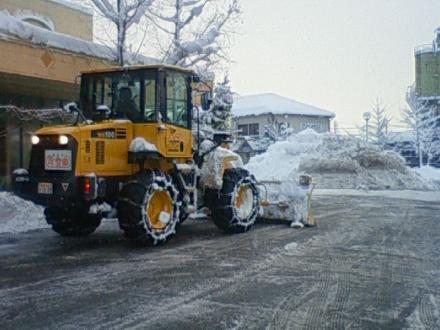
(222, 203)
(133, 203)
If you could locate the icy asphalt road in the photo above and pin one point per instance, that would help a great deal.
(372, 263)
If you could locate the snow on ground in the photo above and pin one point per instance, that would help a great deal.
(336, 162)
(18, 215)
(429, 173)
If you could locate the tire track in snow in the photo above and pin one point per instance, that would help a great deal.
(287, 307)
(428, 311)
(315, 312)
(341, 301)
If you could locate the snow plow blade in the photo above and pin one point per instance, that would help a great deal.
(287, 201)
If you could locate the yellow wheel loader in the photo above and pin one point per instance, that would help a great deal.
(132, 150)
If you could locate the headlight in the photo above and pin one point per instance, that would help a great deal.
(35, 139)
(63, 139)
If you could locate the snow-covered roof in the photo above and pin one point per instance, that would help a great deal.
(423, 49)
(400, 137)
(254, 105)
(12, 28)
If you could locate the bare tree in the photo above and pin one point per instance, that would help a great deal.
(123, 14)
(423, 120)
(194, 33)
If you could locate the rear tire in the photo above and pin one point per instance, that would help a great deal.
(235, 207)
(73, 221)
(149, 207)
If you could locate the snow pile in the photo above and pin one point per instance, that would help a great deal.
(281, 160)
(139, 144)
(336, 162)
(18, 215)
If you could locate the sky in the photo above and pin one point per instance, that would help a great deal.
(339, 55)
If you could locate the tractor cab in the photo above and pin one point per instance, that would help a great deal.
(145, 94)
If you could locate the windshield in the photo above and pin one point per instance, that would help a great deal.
(129, 96)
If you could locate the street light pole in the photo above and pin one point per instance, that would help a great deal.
(367, 117)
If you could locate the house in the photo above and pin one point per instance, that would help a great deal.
(262, 119)
(255, 115)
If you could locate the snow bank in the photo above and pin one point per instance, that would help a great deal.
(336, 162)
(18, 215)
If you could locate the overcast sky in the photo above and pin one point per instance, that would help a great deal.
(336, 54)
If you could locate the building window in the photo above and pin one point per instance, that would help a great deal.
(35, 19)
(314, 126)
(249, 129)
(254, 129)
(243, 129)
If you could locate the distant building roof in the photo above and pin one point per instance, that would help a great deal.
(270, 103)
(401, 137)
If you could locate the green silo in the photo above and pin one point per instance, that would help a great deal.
(428, 69)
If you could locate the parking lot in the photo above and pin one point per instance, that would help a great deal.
(373, 262)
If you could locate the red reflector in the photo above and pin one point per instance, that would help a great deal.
(87, 186)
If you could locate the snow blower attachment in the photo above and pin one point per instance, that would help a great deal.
(288, 201)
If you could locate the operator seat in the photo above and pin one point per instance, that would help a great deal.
(126, 108)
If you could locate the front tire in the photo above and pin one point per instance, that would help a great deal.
(149, 207)
(235, 207)
(73, 221)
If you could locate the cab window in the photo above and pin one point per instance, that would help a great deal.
(128, 96)
(150, 99)
(177, 99)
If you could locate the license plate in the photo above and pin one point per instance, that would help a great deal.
(58, 160)
(45, 188)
